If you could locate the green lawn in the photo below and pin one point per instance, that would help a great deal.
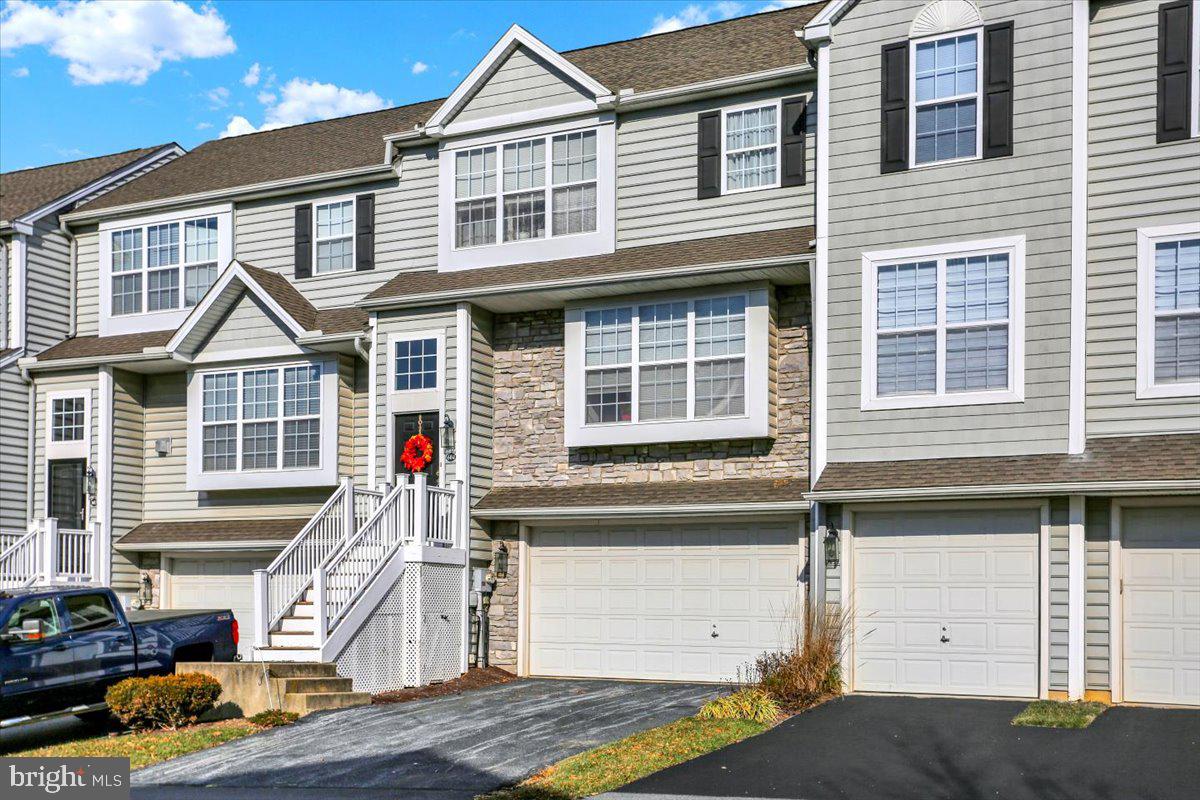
(1058, 714)
(616, 764)
(144, 749)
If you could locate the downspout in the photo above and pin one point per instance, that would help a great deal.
(29, 446)
(3, 294)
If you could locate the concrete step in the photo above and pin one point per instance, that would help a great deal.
(315, 669)
(292, 624)
(320, 685)
(321, 701)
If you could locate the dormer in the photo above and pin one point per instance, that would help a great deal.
(527, 160)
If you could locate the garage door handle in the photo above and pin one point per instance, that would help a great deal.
(945, 640)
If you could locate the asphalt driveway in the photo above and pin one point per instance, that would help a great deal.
(876, 748)
(442, 748)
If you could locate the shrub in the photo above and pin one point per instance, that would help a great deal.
(752, 704)
(163, 701)
(809, 670)
(273, 718)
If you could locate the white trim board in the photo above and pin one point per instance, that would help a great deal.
(1077, 409)
(75, 448)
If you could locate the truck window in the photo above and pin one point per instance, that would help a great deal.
(90, 612)
(39, 608)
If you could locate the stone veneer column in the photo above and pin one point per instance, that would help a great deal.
(502, 615)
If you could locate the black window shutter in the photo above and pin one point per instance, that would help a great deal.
(303, 241)
(708, 155)
(795, 127)
(364, 232)
(893, 120)
(1174, 70)
(998, 90)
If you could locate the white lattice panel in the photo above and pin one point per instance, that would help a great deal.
(441, 622)
(412, 625)
(374, 658)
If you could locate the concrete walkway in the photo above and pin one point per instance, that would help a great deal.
(443, 748)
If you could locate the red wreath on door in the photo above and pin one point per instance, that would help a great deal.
(418, 453)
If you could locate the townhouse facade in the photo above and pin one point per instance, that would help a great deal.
(889, 306)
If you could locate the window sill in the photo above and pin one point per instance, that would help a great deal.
(942, 400)
(1160, 391)
(700, 430)
(266, 479)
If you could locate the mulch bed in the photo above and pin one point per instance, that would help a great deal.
(475, 678)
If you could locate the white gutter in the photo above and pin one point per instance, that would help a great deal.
(773, 508)
(253, 544)
(1013, 490)
(246, 192)
(470, 294)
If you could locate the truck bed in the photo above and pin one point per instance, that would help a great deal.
(160, 615)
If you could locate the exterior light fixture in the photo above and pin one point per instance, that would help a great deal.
(500, 561)
(832, 549)
(448, 439)
(91, 481)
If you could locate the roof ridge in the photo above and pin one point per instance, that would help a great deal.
(93, 158)
(320, 121)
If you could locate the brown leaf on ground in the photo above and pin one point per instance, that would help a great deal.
(476, 678)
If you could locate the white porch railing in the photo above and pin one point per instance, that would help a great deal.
(290, 574)
(49, 554)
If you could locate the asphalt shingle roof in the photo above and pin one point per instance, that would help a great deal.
(656, 493)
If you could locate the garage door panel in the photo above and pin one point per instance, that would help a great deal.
(219, 583)
(688, 579)
(947, 601)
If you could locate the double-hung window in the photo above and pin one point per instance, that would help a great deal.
(669, 368)
(943, 325)
(549, 172)
(162, 267)
(945, 109)
(334, 239)
(751, 145)
(262, 420)
(1168, 312)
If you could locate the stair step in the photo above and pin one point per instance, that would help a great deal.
(297, 653)
(316, 685)
(320, 701)
(290, 639)
(291, 624)
(286, 670)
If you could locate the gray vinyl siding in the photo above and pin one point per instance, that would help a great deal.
(656, 178)
(405, 231)
(14, 448)
(47, 286)
(128, 471)
(167, 497)
(247, 324)
(1059, 593)
(1028, 194)
(482, 407)
(1133, 182)
(524, 82)
(87, 383)
(1098, 613)
(361, 423)
(87, 282)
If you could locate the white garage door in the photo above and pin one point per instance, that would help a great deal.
(946, 602)
(219, 583)
(688, 602)
(1161, 605)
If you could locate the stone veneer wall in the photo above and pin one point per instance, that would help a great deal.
(528, 434)
(502, 614)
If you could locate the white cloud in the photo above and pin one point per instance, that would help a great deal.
(419, 67)
(306, 101)
(20, 72)
(203, 126)
(779, 5)
(251, 76)
(217, 97)
(694, 14)
(120, 41)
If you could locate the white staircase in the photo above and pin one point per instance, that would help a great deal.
(45, 553)
(313, 600)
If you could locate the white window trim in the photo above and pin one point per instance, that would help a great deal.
(406, 401)
(725, 112)
(549, 247)
(1147, 238)
(912, 98)
(145, 321)
(1013, 393)
(324, 475)
(74, 449)
(753, 424)
(353, 200)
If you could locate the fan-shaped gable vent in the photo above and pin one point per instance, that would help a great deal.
(943, 16)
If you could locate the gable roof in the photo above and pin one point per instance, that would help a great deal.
(26, 190)
(740, 46)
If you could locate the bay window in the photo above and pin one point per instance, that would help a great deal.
(943, 325)
(278, 419)
(1168, 317)
(667, 369)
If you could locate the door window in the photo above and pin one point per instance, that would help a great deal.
(67, 486)
(90, 612)
(41, 608)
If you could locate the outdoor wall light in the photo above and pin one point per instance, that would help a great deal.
(448, 439)
(91, 481)
(500, 561)
(832, 549)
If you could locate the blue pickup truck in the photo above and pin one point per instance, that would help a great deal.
(61, 648)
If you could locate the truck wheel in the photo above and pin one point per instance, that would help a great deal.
(96, 718)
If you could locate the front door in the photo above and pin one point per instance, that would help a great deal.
(67, 494)
(409, 425)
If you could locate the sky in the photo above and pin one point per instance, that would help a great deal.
(81, 79)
